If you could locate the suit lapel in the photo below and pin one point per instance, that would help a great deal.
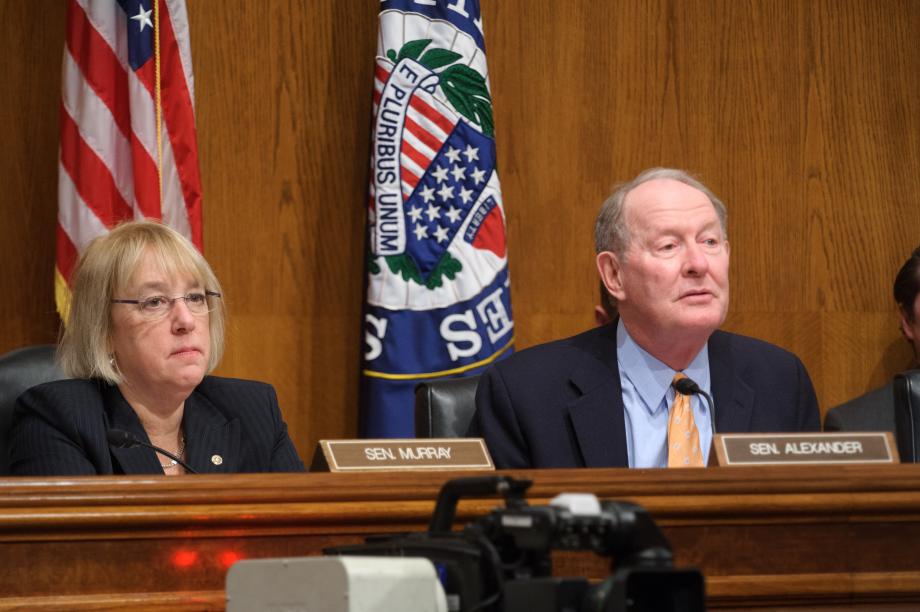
(597, 413)
(212, 442)
(120, 415)
(733, 397)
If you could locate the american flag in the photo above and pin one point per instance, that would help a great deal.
(128, 144)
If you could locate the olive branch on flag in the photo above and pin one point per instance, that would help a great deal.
(464, 87)
(406, 267)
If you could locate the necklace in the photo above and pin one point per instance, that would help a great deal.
(179, 453)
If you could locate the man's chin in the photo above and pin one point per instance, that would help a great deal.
(701, 322)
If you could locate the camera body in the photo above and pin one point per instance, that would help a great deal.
(502, 562)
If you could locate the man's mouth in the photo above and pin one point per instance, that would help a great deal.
(696, 293)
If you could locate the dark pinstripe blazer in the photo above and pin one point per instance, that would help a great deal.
(231, 425)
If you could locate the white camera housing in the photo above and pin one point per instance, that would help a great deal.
(335, 584)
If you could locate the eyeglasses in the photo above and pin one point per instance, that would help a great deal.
(158, 305)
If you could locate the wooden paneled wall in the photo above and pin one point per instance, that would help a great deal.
(802, 115)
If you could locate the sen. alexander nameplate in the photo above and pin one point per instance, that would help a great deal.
(737, 449)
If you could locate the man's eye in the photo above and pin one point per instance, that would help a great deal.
(195, 298)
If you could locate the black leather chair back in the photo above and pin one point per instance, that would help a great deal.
(19, 370)
(444, 408)
(907, 415)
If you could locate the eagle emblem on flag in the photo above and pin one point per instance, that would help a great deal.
(433, 157)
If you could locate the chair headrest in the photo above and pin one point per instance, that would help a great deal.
(907, 415)
(27, 367)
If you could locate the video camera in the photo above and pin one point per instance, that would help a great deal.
(502, 562)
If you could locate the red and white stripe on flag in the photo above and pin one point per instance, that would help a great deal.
(128, 143)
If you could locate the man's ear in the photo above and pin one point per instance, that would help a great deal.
(611, 273)
(907, 330)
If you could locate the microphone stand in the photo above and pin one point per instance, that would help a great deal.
(125, 439)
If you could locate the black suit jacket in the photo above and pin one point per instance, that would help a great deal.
(873, 411)
(230, 425)
(561, 404)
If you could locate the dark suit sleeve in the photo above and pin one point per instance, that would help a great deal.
(809, 415)
(284, 455)
(495, 421)
(872, 411)
(45, 438)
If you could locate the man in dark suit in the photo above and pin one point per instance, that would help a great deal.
(874, 411)
(607, 397)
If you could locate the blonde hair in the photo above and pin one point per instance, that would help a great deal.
(104, 269)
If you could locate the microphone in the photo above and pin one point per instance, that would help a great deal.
(686, 386)
(119, 438)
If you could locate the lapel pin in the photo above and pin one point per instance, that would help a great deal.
(217, 459)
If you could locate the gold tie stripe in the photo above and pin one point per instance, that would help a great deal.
(683, 436)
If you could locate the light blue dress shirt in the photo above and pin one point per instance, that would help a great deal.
(647, 397)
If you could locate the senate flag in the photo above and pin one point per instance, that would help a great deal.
(128, 144)
(438, 296)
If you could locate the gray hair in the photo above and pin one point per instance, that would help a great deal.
(611, 231)
(104, 269)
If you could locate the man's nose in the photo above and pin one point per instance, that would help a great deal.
(696, 262)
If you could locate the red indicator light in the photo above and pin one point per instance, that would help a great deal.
(229, 557)
(184, 558)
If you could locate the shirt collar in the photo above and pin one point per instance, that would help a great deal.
(651, 377)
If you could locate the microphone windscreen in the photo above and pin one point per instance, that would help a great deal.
(686, 386)
(120, 438)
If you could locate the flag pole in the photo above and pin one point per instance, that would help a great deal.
(158, 104)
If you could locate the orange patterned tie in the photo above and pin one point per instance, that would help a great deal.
(683, 437)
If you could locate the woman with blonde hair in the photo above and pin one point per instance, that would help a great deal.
(145, 329)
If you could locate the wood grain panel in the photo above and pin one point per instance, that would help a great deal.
(30, 73)
(284, 93)
(777, 536)
(802, 116)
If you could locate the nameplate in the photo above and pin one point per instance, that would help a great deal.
(735, 449)
(391, 455)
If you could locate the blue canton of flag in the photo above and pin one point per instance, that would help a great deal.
(140, 37)
(438, 298)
